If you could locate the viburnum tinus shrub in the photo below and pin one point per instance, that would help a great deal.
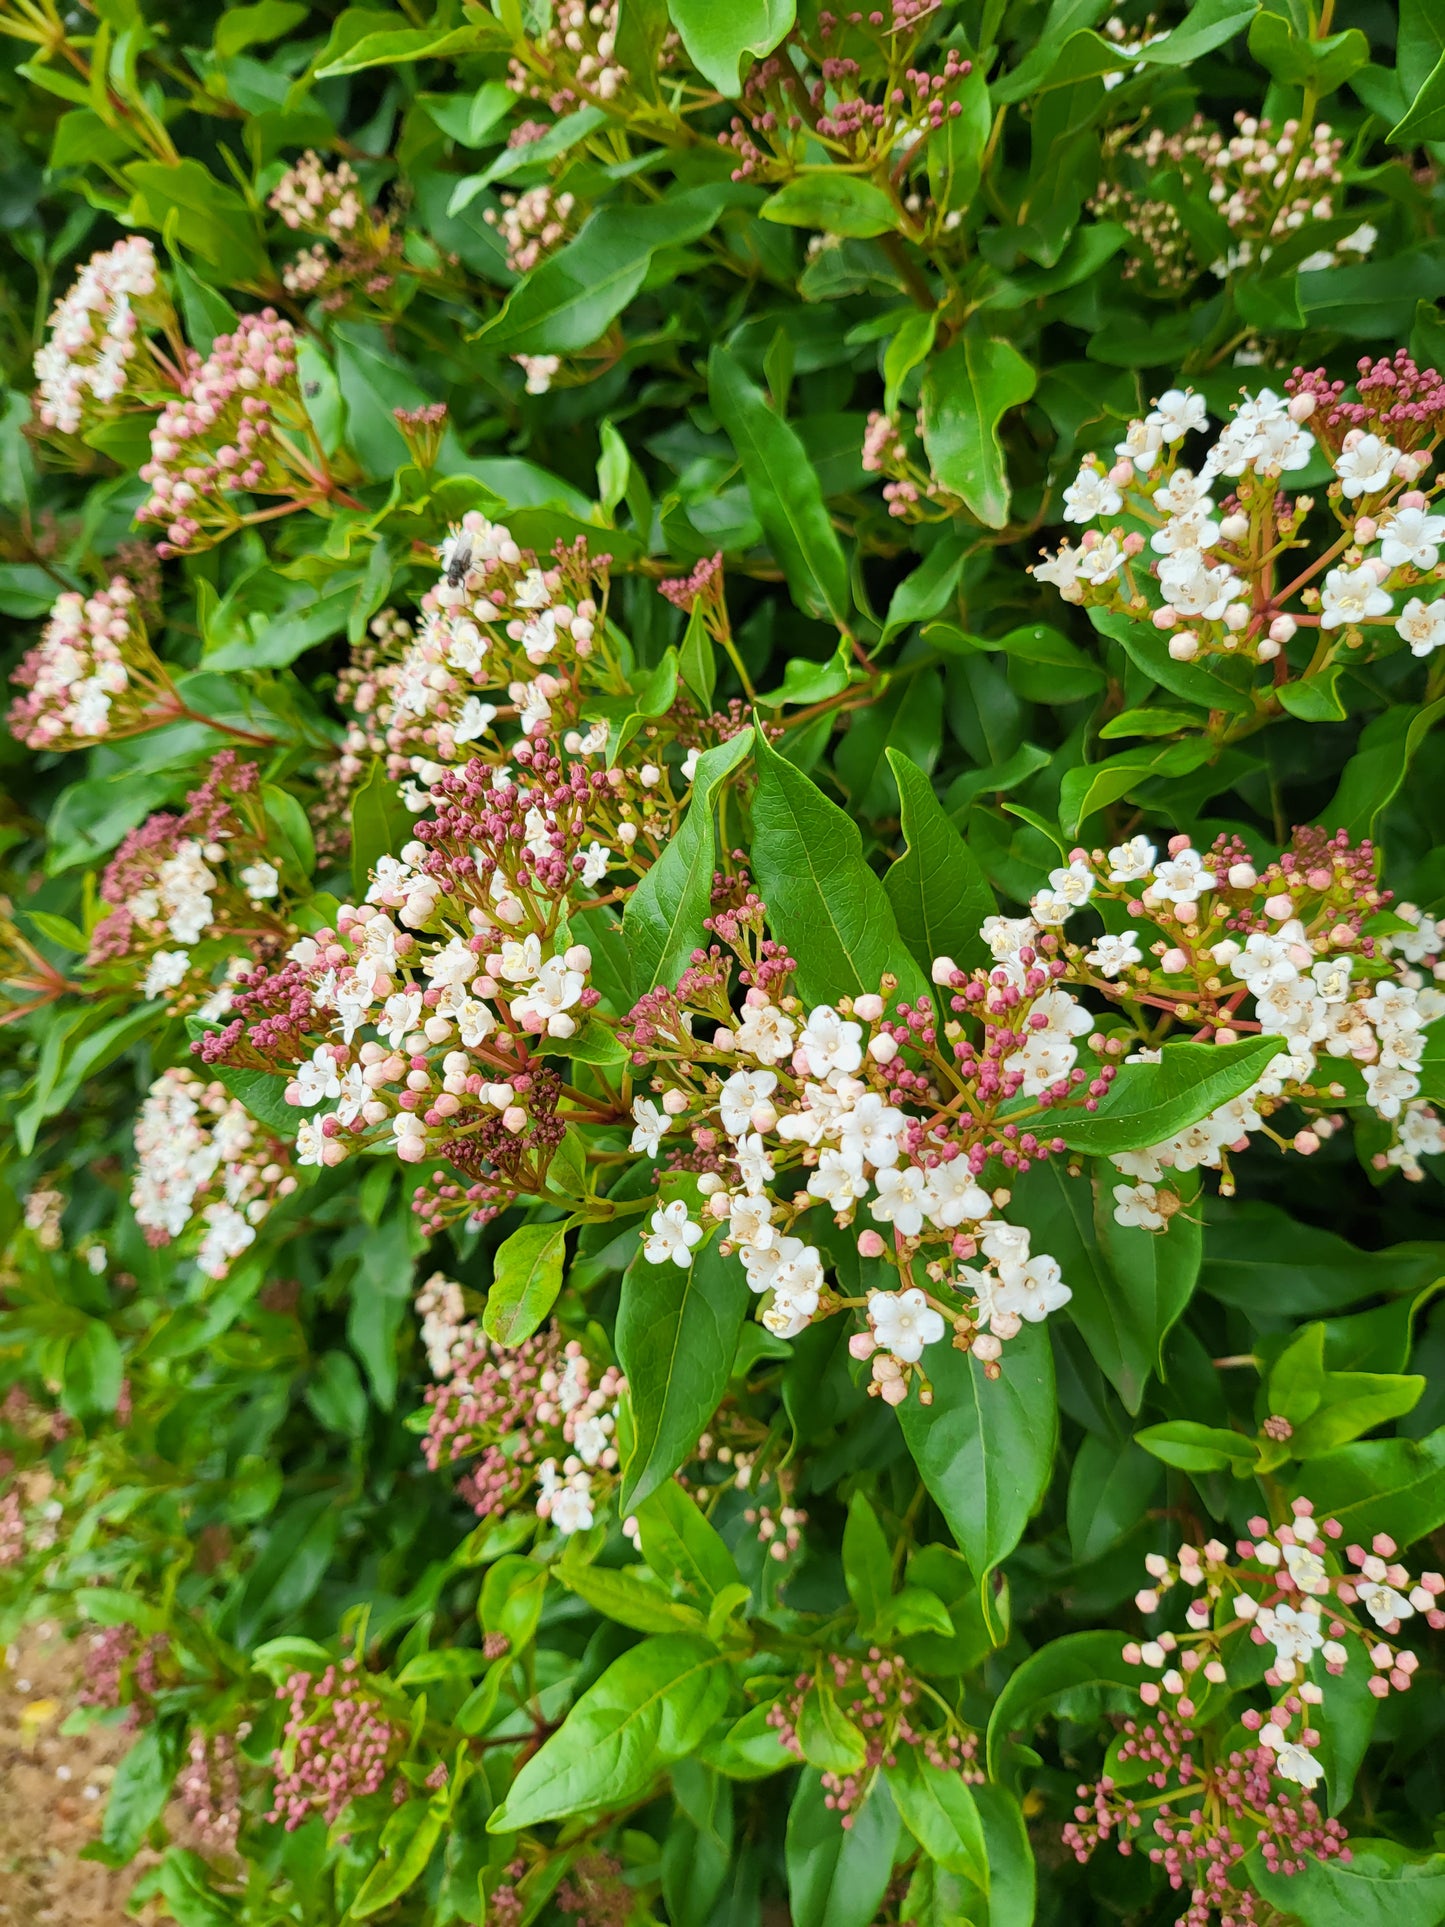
(724, 955)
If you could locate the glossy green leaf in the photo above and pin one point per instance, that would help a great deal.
(837, 203)
(838, 1876)
(985, 1447)
(937, 888)
(662, 923)
(676, 1335)
(1150, 1102)
(652, 1706)
(785, 492)
(967, 391)
(526, 1278)
(824, 902)
(716, 39)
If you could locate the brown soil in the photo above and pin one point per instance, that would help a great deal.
(53, 1789)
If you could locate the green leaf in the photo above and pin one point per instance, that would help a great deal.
(697, 660)
(937, 888)
(1110, 1488)
(1094, 786)
(1375, 774)
(625, 1596)
(569, 301)
(1191, 1447)
(911, 344)
(823, 901)
(402, 45)
(1381, 1885)
(716, 38)
(1315, 699)
(381, 825)
(139, 1791)
(676, 1335)
(867, 1563)
(829, 1739)
(985, 1447)
(785, 491)
(407, 1842)
(837, 203)
(1298, 60)
(967, 391)
(241, 27)
(837, 1877)
(210, 219)
(938, 1809)
(1395, 1486)
(680, 1545)
(1147, 648)
(1077, 1677)
(652, 1706)
(1260, 1260)
(526, 1278)
(94, 1370)
(1152, 1277)
(662, 923)
(1208, 24)
(1148, 1103)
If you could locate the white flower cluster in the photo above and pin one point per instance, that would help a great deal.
(1208, 571)
(809, 1095)
(196, 1142)
(93, 334)
(1303, 989)
(415, 996)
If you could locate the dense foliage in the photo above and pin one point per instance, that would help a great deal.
(723, 888)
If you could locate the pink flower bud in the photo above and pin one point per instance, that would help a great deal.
(870, 1244)
(1173, 961)
(1184, 647)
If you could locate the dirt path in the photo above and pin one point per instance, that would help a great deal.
(53, 1791)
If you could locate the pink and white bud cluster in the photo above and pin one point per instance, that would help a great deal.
(1304, 949)
(1207, 1807)
(875, 1695)
(1241, 175)
(338, 1744)
(319, 200)
(532, 224)
(1284, 1589)
(498, 623)
(93, 675)
(573, 60)
(866, 96)
(913, 493)
(209, 1788)
(1193, 552)
(202, 1160)
(191, 893)
(239, 429)
(529, 1418)
(86, 362)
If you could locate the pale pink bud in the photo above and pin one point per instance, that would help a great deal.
(1183, 647)
(674, 1103)
(882, 1049)
(1301, 407)
(862, 1345)
(578, 957)
(869, 1008)
(870, 1244)
(1166, 617)
(1234, 528)
(514, 1119)
(1173, 961)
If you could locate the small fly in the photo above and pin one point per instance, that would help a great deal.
(460, 563)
